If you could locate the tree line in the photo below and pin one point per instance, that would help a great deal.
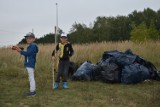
(137, 26)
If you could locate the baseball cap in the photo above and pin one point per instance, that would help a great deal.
(30, 35)
(64, 35)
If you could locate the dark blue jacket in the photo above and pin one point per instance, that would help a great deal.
(30, 55)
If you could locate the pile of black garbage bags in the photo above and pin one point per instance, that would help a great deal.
(118, 67)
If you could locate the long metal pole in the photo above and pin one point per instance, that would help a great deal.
(56, 34)
(56, 23)
(33, 31)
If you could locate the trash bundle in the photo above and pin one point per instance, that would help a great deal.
(84, 72)
(134, 73)
(108, 72)
(118, 67)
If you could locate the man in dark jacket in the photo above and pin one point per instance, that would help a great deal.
(65, 52)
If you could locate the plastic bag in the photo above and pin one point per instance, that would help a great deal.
(85, 72)
(134, 73)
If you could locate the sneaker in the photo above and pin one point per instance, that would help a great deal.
(65, 86)
(56, 85)
(31, 94)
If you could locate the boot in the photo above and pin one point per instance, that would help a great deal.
(56, 85)
(65, 86)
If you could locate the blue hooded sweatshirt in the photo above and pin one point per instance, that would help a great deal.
(30, 55)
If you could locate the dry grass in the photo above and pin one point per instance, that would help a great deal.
(14, 80)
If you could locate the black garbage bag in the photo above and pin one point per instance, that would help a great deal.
(158, 73)
(73, 66)
(152, 69)
(107, 71)
(85, 72)
(110, 73)
(134, 73)
(124, 59)
(120, 58)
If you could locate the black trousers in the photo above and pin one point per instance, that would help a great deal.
(63, 68)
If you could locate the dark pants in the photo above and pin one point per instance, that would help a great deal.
(62, 70)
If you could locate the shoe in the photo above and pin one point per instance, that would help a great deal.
(56, 85)
(31, 94)
(65, 86)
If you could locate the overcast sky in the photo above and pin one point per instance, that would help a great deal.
(18, 17)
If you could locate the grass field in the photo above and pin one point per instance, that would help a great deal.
(14, 80)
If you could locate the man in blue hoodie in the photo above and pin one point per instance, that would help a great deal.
(30, 60)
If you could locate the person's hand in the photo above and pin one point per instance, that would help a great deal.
(13, 47)
(16, 48)
(53, 58)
